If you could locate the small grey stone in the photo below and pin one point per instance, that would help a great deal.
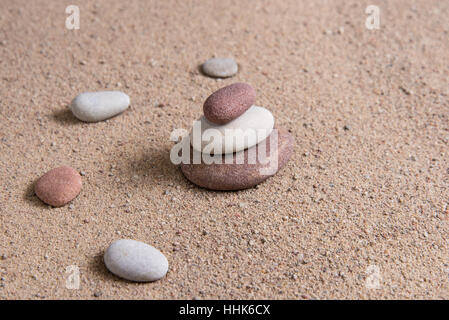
(136, 261)
(220, 67)
(405, 90)
(98, 294)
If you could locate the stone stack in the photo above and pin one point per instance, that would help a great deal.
(243, 149)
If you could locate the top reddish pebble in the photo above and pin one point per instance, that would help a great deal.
(228, 103)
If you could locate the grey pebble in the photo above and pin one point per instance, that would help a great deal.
(136, 261)
(220, 67)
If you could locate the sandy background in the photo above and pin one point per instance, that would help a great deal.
(374, 195)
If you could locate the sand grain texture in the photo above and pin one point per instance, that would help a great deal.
(367, 185)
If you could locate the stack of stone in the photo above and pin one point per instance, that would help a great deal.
(244, 148)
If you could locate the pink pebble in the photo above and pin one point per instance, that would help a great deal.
(58, 186)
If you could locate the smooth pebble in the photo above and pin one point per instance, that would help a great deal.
(99, 106)
(244, 132)
(135, 261)
(228, 103)
(245, 174)
(58, 186)
(220, 67)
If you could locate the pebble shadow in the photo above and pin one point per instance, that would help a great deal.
(200, 70)
(66, 117)
(31, 197)
(97, 266)
(154, 163)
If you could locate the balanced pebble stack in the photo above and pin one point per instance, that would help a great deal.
(232, 113)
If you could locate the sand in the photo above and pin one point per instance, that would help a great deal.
(361, 211)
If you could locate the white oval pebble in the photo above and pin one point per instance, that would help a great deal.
(220, 67)
(252, 127)
(136, 261)
(98, 106)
